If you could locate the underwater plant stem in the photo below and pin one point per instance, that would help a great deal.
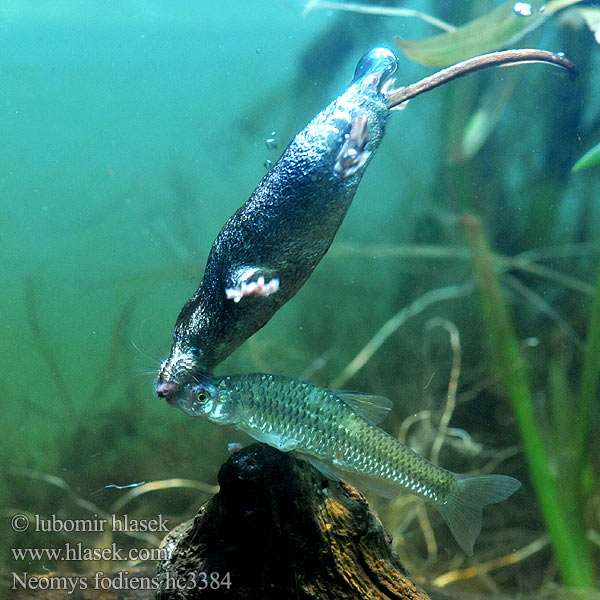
(491, 565)
(567, 535)
(590, 379)
(452, 385)
(394, 323)
(386, 11)
(164, 484)
(494, 59)
(44, 347)
(544, 308)
(563, 420)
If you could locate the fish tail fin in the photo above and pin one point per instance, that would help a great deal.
(462, 510)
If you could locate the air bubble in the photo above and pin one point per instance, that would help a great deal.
(523, 9)
(268, 164)
(271, 142)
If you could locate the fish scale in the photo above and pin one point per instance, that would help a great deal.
(337, 433)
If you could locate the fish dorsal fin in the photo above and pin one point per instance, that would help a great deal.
(369, 406)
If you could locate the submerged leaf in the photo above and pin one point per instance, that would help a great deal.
(591, 16)
(499, 28)
(483, 121)
(590, 159)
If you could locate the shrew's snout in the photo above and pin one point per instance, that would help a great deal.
(376, 67)
(174, 373)
(166, 389)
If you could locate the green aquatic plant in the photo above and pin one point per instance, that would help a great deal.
(590, 382)
(590, 159)
(563, 523)
(501, 27)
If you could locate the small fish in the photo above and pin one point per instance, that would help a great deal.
(337, 432)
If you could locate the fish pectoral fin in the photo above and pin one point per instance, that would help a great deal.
(325, 468)
(360, 481)
(287, 445)
(274, 440)
(369, 406)
(251, 282)
(375, 485)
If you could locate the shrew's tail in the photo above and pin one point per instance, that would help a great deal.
(462, 510)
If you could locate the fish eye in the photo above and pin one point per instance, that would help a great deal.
(202, 396)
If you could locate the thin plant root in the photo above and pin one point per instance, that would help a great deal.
(394, 323)
(165, 484)
(492, 565)
(452, 385)
(44, 347)
(545, 308)
(139, 490)
(427, 529)
(384, 11)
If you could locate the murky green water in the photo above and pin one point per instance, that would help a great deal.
(131, 131)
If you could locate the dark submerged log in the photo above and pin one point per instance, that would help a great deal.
(279, 529)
